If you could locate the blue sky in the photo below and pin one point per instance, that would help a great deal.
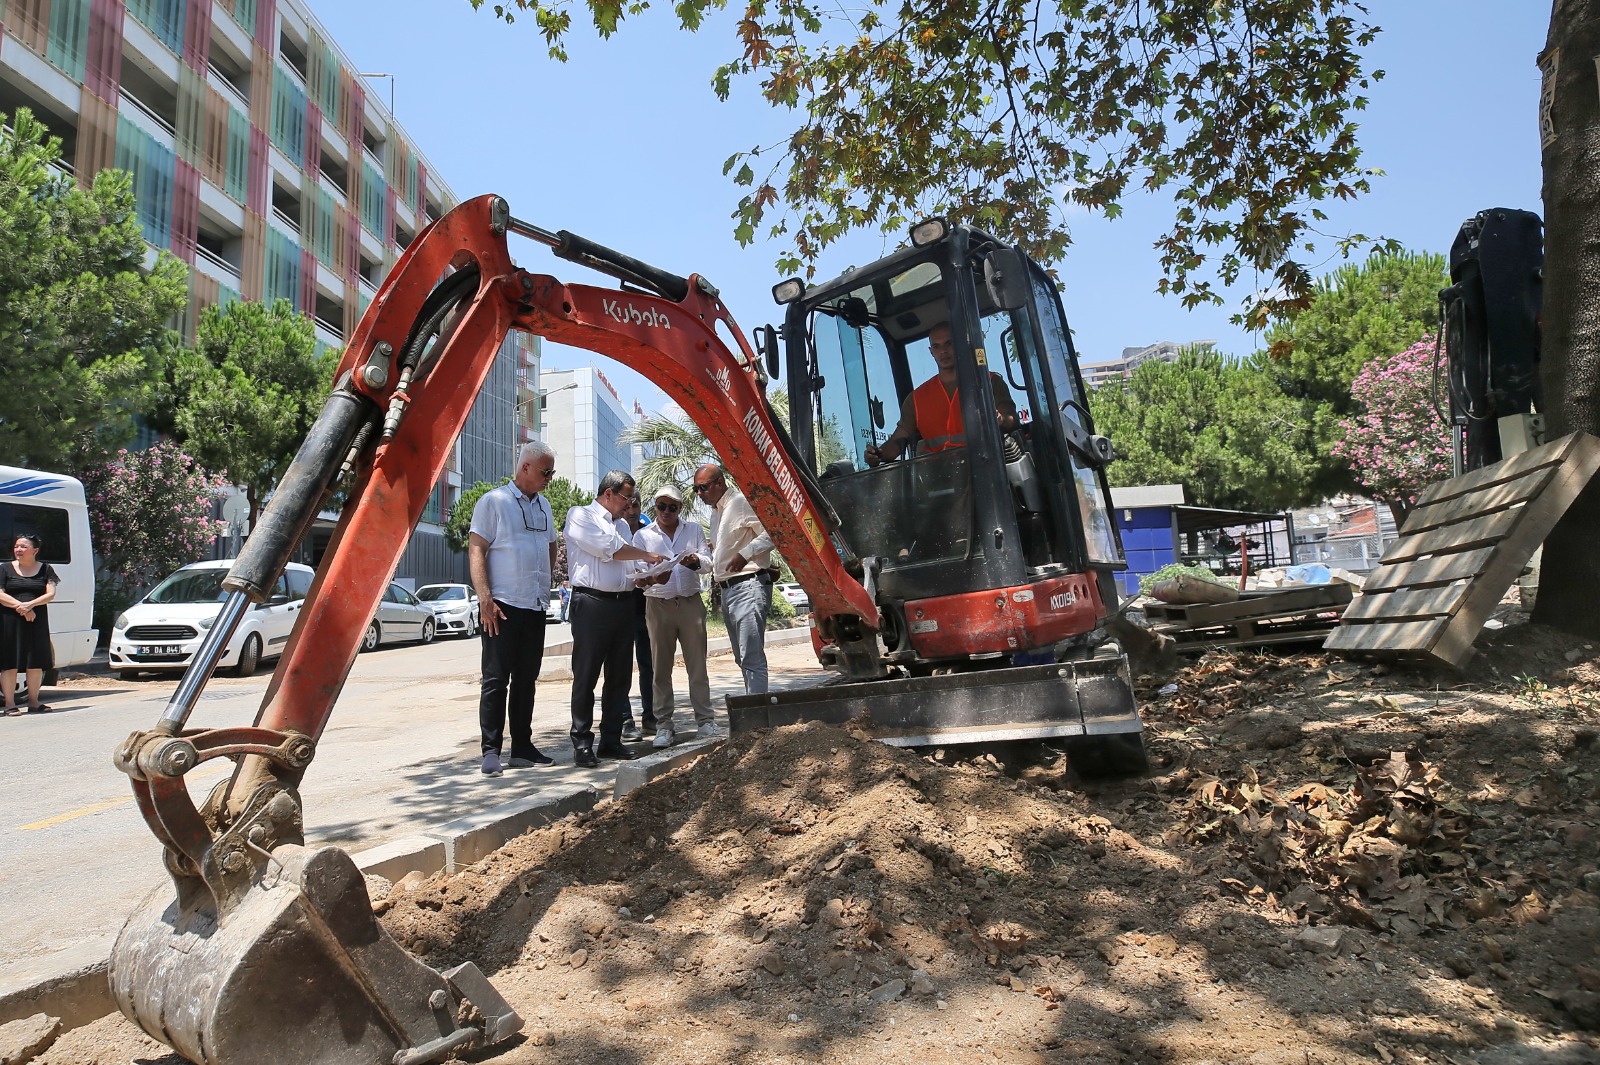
(624, 144)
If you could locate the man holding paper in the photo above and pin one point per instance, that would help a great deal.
(674, 612)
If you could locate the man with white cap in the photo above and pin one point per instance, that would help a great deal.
(674, 612)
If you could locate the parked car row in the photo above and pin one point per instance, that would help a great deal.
(162, 632)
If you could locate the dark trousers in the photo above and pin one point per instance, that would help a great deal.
(647, 673)
(602, 642)
(511, 662)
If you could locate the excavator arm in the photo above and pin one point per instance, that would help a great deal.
(267, 938)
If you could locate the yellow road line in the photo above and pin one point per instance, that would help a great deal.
(112, 804)
(73, 815)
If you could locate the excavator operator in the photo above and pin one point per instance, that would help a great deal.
(931, 416)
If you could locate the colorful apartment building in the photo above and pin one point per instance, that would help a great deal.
(261, 159)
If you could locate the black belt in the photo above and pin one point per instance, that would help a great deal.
(604, 595)
(741, 577)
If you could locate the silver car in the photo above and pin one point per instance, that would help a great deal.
(455, 607)
(401, 618)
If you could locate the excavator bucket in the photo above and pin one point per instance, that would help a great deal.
(1087, 706)
(298, 971)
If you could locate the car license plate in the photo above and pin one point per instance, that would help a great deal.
(161, 649)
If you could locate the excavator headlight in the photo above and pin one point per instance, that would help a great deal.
(788, 291)
(928, 232)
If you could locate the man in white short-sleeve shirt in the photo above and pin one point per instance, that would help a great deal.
(511, 552)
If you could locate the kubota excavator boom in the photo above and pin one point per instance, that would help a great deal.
(269, 951)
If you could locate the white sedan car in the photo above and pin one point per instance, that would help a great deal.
(455, 607)
(162, 632)
(400, 618)
(796, 597)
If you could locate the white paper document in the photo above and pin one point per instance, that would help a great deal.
(662, 567)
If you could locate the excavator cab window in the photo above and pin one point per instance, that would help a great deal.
(1071, 406)
(869, 350)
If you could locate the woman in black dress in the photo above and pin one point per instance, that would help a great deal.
(26, 586)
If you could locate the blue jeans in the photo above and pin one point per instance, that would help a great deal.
(745, 607)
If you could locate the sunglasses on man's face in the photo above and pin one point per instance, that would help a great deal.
(701, 489)
(551, 472)
(666, 508)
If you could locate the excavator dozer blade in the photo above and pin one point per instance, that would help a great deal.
(1088, 705)
(297, 971)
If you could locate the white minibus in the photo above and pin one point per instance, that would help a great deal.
(51, 506)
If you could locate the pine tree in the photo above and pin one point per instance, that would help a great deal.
(83, 326)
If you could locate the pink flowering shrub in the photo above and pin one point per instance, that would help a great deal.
(150, 512)
(1397, 445)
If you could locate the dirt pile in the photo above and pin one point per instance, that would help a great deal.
(1330, 863)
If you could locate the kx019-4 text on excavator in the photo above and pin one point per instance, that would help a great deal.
(956, 593)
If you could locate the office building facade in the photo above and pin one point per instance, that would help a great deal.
(583, 420)
(260, 159)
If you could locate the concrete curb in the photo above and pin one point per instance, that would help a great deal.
(76, 987)
(641, 771)
(408, 854)
(474, 837)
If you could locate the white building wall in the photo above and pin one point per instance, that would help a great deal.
(583, 424)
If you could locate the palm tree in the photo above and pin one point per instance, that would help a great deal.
(676, 447)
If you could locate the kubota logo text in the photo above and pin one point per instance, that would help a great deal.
(625, 314)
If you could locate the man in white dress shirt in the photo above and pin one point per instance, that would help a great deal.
(674, 612)
(740, 556)
(511, 552)
(599, 549)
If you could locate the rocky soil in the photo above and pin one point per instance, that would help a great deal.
(1330, 862)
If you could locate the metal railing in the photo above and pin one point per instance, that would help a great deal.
(285, 219)
(148, 111)
(228, 85)
(216, 260)
(334, 330)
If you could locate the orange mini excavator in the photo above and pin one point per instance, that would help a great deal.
(958, 593)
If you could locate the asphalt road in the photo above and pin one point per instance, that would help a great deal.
(400, 755)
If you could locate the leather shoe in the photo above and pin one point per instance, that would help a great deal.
(630, 733)
(537, 758)
(584, 758)
(614, 750)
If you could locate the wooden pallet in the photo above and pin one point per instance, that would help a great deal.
(1460, 549)
(1258, 618)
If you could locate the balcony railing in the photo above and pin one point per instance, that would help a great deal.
(216, 260)
(148, 111)
(329, 326)
(227, 85)
(285, 219)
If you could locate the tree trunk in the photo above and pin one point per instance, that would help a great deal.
(1570, 348)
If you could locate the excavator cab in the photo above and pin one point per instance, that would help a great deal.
(1004, 490)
